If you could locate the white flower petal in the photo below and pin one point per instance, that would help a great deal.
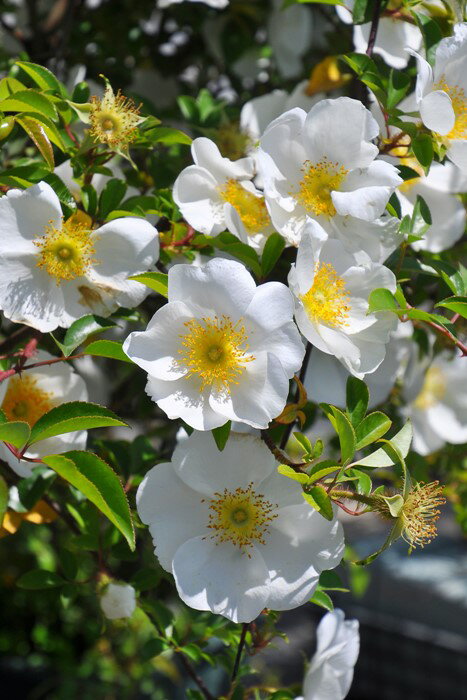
(174, 512)
(221, 578)
(207, 155)
(437, 112)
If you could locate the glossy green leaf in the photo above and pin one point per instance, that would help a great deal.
(273, 248)
(111, 196)
(168, 135)
(374, 426)
(69, 417)
(422, 147)
(457, 304)
(39, 579)
(107, 348)
(291, 473)
(29, 101)
(322, 599)
(16, 433)
(158, 281)
(381, 300)
(303, 441)
(357, 398)
(344, 430)
(401, 441)
(36, 132)
(44, 78)
(80, 330)
(318, 497)
(221, 435)
(99, 483)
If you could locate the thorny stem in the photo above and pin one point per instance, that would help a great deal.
(442, 331)
(278, 454)
(241, 644)
(301, 376)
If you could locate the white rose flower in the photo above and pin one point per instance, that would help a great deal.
(221, 349)
(257, 113)
(331, 288)
(448, 215)
(237, 536)
(217, 194)
(330, 673)
(322, 165)
(28, 396)
(436, 396)
(289, 33)
(54, 271)
(441, 94)
(118, 600)
(393, 38)
(326, 377)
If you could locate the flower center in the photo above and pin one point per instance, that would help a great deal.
(215, 350)
(241, 517)
(25, 401)
(459, 105)
(114, 119)
(420, 513)
(319, 180)
(251, 209)
(433, 389)
(66, 252)
(326, 300)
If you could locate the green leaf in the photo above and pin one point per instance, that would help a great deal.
(374, 426)
(303, 442)
(36, 132)
(99, 483)
(318, 497)
(344, 430)
(152, 648)
(69, 417)
(331, 581)
(29, 101)
(275, 244)
(39, 579)
(358, 397)
(456, 304)
(107, 348)
(243, 252)
(394, 503)
(421, 217)
(158, 281)
(322, 469)
(16, 433)
(221, 435)
(381, 300)
(42, 77)
(431, 32)
(4, 497)
(322, 599)
(401, 441)
(111, 196)
(290, 472)
(398, 86)
(168, 135)
(422, 147)
(80, 330)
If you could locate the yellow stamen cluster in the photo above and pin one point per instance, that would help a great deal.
(326, 300)
(420, 513)
(66, 252)
(241, 517)
(114, 119)
(433, 389)
(25, 401)
(319, 180)
(459, 105)
(215, 350)
(251, 209)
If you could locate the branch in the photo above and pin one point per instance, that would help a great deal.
(374, 28)
(194, 676)
(241, 644)
(279, 455)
